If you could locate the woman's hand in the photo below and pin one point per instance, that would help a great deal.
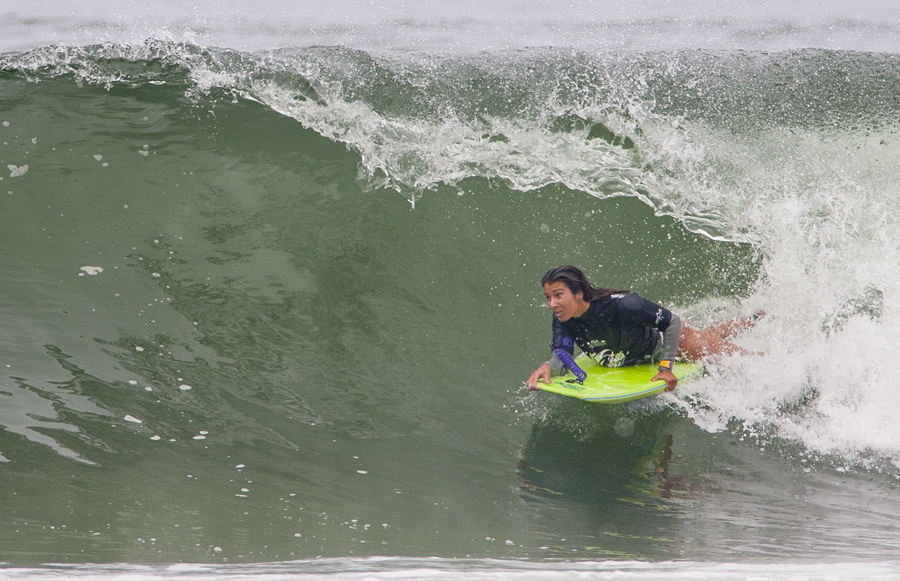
(667, 376)
(542, 372)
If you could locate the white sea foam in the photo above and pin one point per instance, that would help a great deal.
(376, 568)
(823, 211)
(17, 171)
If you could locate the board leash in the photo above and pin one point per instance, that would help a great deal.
(570, 363)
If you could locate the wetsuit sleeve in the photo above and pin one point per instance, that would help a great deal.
(556, 366)
(670, 338)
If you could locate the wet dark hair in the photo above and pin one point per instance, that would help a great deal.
(577, 282)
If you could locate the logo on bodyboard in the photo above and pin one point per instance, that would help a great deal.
(572, 384)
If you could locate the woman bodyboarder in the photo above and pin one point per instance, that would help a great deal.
(619, 328)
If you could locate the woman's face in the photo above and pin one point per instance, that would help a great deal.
(562, 302)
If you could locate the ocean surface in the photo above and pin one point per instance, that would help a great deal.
(269, 288)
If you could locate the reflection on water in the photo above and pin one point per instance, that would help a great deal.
(606, 462)
(639, 481)
(614, 471)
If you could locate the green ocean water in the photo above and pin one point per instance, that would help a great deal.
(319, 301)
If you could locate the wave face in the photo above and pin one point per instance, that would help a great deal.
(262, 306)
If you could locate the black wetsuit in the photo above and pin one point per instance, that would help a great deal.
(621, 330)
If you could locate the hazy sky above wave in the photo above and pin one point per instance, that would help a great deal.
(459, 25)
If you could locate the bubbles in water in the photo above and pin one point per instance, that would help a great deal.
(624, 427)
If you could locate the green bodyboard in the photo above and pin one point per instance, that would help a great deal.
(615, 384)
